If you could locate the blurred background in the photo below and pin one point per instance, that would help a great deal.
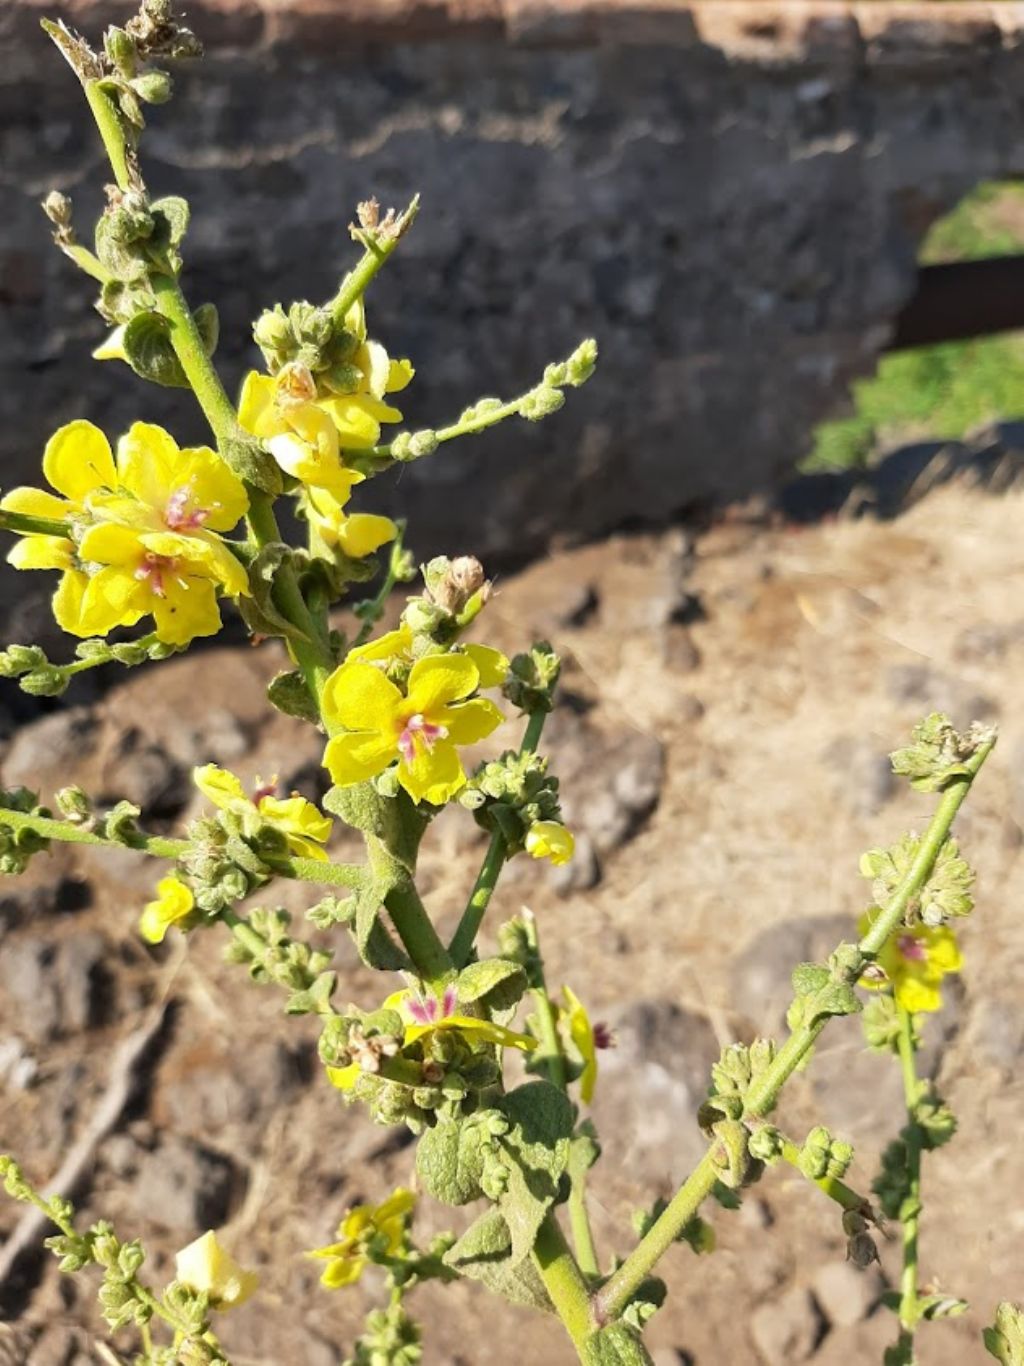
(780, 524)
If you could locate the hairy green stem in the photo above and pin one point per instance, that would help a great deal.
(563, 1280)
(108, 121)
(582, 1233)
(22, 524)
(188, 347)
(158, 846)
(467, 427)
(418, 935)
(911, 1211)
(487, 879)
(375, 253)
(764, 1092)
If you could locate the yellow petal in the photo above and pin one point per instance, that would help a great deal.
(41, 552)
(344, 1078)
(491, 665)
(399, 375)
(67, 602)
(111, 543)
(296, 816)
(112, 347)
(582, 1034)
(434, 775)
(206, 1267)
(917, 996)
(257, 412)
(205, 555)
(372, 359)
(186, 609)
(364, 532)
(550, 840)
(174, 901)
(468, 722)
(112, 597)
(78, 460)
(352, 416)
(146, 460)
(219, 786)
(34, 503)
(943, 950)
(391, 645)
(355, 756)
(359, 697)
(484, 1031)
(439, 679)
(343, 1271)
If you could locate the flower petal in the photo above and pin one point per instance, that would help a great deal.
(491, 664)
(296, 816)
(399, 375)
(359, 697)
(187, 608)
(391, 645)
(34, 503)
(364, 532)
(353, 419)
(146, 460)
(112, 597)
(354, 756)
(434, 775)
(67, 602)
(113, 544)
(219, 786)
(257, 412)
(41, 552)
(468, 722)
(439, 679)
(78, 460)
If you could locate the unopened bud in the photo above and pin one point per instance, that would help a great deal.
(154, 87)
(272, 330)
(121, 50)
(294, 385)
(57, 208)
(540, 403)
(74, 804)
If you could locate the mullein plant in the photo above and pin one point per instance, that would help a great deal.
(146, 534)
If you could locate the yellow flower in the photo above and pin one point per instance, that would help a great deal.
(78, 463)
(915, 960)
(581, 1031)
(151, 548)
(374, 723)
(205, 1267)
(396, 647)
(384, 1223)
(423, 1015)
(551, 840)
(300, 434)
(174, 902)
(303, 825)
(356, 534)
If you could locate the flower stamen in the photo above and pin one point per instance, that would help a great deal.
(418, 729)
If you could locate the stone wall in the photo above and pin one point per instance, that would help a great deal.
(728, 195)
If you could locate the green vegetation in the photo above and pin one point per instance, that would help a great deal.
(940, 392)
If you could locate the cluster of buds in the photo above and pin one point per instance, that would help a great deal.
(274, 957)
(455, 592)
(512, 794)
(40, 677)
(18, 844)
(532, 678)
(224, 866)
(947, 893)
(310, 339)
(731, 1077)
(390, 1338)
(823, 1157)
(939, 753)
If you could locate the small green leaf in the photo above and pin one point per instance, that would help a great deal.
(289, 693)
(809, 978)
(207, 321)
(450, 1162)
(941, 1307)
(484, 1253)
(147, 346)
(497, 982)
(259, 610)
(616, 1345)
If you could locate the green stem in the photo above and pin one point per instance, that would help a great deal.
(157, 846)
(188, 347)
(764, 1093)
(836, 1190)
(375, 253)
(24, 525)
(563, 1280)
(911, 1210)
(87, 262)
(487, 879)
(582, 1234)
(550, 1050)
(108, 121)
(418, 935)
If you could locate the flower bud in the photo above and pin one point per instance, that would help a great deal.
(540, 403)
(50, 681)
(153, 87)
(57, 208)
(121, 50)
(74, 804)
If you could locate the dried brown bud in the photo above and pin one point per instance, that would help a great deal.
(294, 384)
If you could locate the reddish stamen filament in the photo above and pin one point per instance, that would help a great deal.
(418, 728)
(153, 568)
(912, 949)
(179, 515)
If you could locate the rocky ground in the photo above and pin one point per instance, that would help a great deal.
(729, 701)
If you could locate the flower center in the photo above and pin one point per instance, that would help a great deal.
(152, 571)
(180, 514)
(911, 949)
(294, 384)
(418, 731)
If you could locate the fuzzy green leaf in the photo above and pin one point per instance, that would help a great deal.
(147, 346)
(616, 1345)
(497, 982)
(450, 1162)
(484, 1253)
